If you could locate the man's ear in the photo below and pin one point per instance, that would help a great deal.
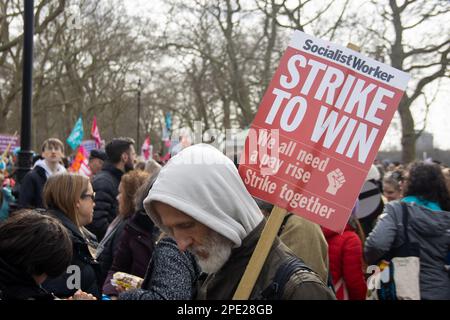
(124, 157)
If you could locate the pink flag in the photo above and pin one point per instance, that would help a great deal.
(145, 149)
(95, 133)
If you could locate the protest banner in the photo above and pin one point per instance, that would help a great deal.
(89, 145)
(76, 135)
(318, 129)
(13, 141)
(95, 133)
(315, 136)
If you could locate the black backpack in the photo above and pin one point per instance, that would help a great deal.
(275, 290)
(301, 264)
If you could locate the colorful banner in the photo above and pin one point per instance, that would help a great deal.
(146, 149)
(169, 121)
(318, 129)
(95, 133)
(76, 136)
(80, 163)
(89, 145)
(6, 139)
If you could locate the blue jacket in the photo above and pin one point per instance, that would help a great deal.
(4, 205)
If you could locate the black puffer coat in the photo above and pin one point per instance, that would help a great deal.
(106, 187)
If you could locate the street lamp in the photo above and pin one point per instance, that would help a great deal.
(138, 114)
(25, 157)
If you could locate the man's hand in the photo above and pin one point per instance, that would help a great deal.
(120, 289)
(81, 295)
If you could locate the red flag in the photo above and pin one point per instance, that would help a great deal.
(95, 133)
(145, 149)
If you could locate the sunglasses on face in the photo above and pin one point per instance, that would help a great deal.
(85, 195)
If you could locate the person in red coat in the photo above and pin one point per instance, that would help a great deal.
(345, 252)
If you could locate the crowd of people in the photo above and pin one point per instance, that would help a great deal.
(188, 228)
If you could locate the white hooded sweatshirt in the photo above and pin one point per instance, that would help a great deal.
(204, 184)
(59, 168)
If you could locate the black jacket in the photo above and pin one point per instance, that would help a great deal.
(301, 285)
(106, 185)
(30, 192)
(16, 285)
(134, 250)
(110, 245)
(89, 268)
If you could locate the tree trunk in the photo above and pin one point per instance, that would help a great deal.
(226, 114)
(408, 134)
(3, 126)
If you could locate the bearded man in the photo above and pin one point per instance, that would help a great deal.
(120, 159)
(199, 199)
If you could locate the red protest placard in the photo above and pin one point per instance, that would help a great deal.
(319, 128)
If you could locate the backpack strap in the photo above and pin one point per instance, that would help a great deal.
(284, 272)
(407, 248)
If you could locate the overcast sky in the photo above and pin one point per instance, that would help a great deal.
(438, 119)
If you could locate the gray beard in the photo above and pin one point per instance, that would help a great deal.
(219, 250)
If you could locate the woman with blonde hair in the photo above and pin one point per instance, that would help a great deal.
(136, 242)
(129, 184)
(392, 185)
(70, 198)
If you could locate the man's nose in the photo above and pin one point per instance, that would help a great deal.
(183, 242)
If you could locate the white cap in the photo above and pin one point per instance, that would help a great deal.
(373, 174)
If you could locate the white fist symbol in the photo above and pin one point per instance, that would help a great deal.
(336, 180)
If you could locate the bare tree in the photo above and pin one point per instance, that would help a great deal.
(415, 37)
(411, 35)
(210, 60)
(11, 42)
(86, 69)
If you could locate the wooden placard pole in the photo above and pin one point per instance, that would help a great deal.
(265, 242)
(260, 254)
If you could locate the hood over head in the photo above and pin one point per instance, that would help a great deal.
(204, 184)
